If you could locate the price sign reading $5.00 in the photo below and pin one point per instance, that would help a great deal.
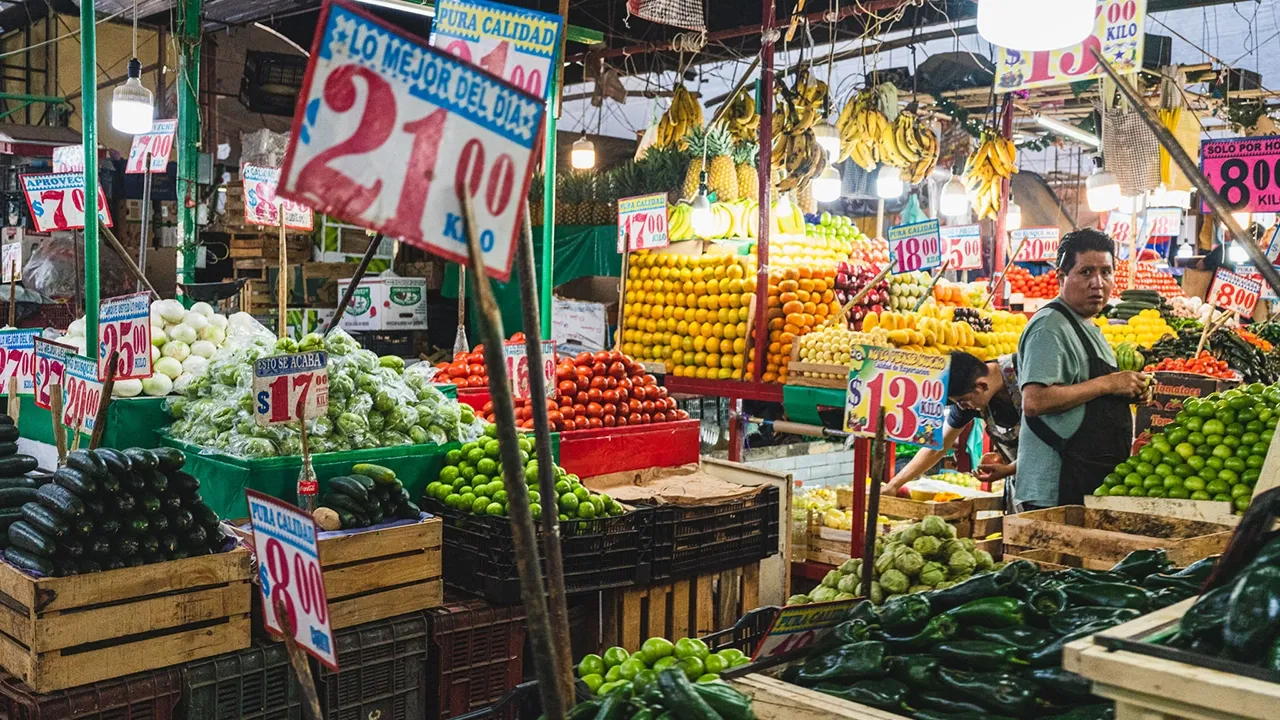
(284, 541)
(124, 325)
(393, 131)
(513, 43)
(1234, 293)
(290, 387)
(915, 247)
(18, 359)
(81, 393)
(518, 367)
(51, 362)
(911, 387)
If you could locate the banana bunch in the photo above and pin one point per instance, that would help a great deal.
(993, 162)
(861, 126)
(683, 114)
(910, 145)
(800, 106)
(741, 119)
(680, 222)
(800, 157)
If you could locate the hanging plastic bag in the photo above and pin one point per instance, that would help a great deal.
(1130, 148)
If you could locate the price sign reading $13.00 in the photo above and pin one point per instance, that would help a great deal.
(962, 246)
(18, 359)
(124, 325)
(1041, 244)
(1234, 293)
(57, 202)
(51, 363)
(801, 626)
(515, 44)
(284, 541)
(81, 393)
(290, 387)
(518, 369)
(911, 387)
(915, 247)
(393, 131)
(642, 222)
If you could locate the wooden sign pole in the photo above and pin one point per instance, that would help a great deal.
(872, 488)
(282, 282)
(100, 417)
(928, 293)
(301, 665)
(59, 431)
(1000, 279)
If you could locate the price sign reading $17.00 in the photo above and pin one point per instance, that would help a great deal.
(18, 359)
(81, 393)
(57, 202)
(962, 246)
(1234, 293)
(284, 541)
(642, 222)
(910, 387)
(518, 369)
(513, 43)
(801, 626)
(393, 132)
(290, 387)
(51, 363)
(915, 247)
(124, 325)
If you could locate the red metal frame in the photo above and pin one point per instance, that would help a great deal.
(998, 250)
(601, 451)
(764, 171)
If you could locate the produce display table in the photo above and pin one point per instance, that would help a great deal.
(1077, 536)
(773, 699)
(131, 422)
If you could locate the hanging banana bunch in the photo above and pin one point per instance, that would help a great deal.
(909, 144)
(797, 156)
(741, 119)
(861, 125)
(684, 113)
(995, 161)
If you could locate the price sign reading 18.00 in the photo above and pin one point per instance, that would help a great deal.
(393, 131)
(1041, 244)
(513, 43)
(51, 361)
(962, 245)
(81, 393)
(18, 359)
(124, 325)
(911, 387)
(290, 387)
(915, 247)
(1234, 292)
(642, 222)
(801, 626)
(518, 367)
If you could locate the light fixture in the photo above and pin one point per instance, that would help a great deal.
(954, 200)
(1237, 254)
(826, 187)
(828, 138)
(701, 216)
(1012, 215)
(1164, 197)
(1242, 218)
(889, 183)
(1184, 251)
(583, 155)
(1102, 188)
(409, 7)
(133, 108)
(783, 206)
(1068, 130)
(1033, 25)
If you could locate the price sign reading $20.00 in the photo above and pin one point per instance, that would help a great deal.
(18, 359)
(290, 387)
(801, 626)
(393, 131)
(158, 142)
(518, 369)
(1234, 293)
(915, 247)
(911, 387)
(57, 202)
(642, 222)
(962, 246)
(81, 393)
(284, 541)
(1039, 244)
(124, 325)
(51, 362)
(513, 43)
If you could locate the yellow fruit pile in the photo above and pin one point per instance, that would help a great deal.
(799, 250)
(832, 345)
(800, 299)
(1006, 328)
(1143, 329)
(930, 331)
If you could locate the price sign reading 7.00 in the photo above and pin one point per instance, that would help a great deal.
(513, 43)
(57, 202)
(1235, 293)
(18, 359)
(51, 361)
(642, 223)
(290, 387)
(124, 325)
(911, 387)
(915, 247)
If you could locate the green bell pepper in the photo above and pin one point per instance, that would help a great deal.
(940, 628)
(977, 655)
(905, 614)
(1138, 564)
(1072, 619)
(1060, 686)
(854, 661)
(884, 693)
(993, 612)
(975, 588)
(997, 692)
(914, 671)
(1025, 639)
(1253, 613)
(1111, 595)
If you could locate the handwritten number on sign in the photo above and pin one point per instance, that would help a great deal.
(376, 125)
(278, 569)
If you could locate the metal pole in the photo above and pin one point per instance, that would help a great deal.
(356, 277)
(997, 255)
(548, 219)
(879, 449)
(89, 135)
(764, 165)
(188, 36)
(146, 212)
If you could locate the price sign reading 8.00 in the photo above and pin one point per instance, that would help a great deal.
(290, 387)
(124, 326)
(51, 361)
(910, 387)
(81, 393)
(518, 369)
(512, 43)
(1234, 292)
(917, 246)
(1244, 171)
(18, 359)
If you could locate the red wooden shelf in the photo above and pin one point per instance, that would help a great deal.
(601, 451)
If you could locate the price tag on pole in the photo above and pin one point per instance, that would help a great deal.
(1244, 171)
(798, 627)
(263, 207)
(51, 363)
(1041, 244)
(284, 541)
(1120, 228)
(962, 244)
(11, 260)
(18, 359)
(911, 387)
(915, 247)
(81, 393)
(158, 142)
(393, 130)
(515, 44)
(124, 324)
(287, 388)
(518, 367)
(56, 201)
(1161, 222)
(1234, 292)
(642, 222)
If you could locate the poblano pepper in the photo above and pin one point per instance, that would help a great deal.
(914, 671)
(1194, 574)
(1098, 711)
(997, 692)
(849, 631)
(1138, 564)
(1253, 613)
(1060, 686)
(1111, 595)
(994, 612)
(905, 613)
(1046, 602)
(1206, 616)
(1050, 654)
(943, 702)
(884, 693)
(1025, 639)
(977, 655)
(975, 588)
(940, 628)
(938, 715)
(1073, 619)
(854, 661)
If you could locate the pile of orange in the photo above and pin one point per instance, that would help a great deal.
(945, 293)
(800, 299)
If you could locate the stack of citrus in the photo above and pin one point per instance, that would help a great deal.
(1143, 329)
(800, 299)
(1006, 328)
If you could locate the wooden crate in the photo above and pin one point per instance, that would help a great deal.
(773, 699)
(1221, 513)
(796, 370)
(1151, 688)
(1077, 536)
(267, 245)
(63, 632)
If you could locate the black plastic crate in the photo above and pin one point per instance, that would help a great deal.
(707, 538)
(253, 684)
(272, 82)
(476, 655)
(391, 342)
(480, 558)
(144, 696)
(383, 671)
(745, 634)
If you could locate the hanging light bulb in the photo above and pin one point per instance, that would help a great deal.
(1184, 251)
(1012, 215)
(132, 105)
(1033, 25)
(826, 187)
(954, 200)
(1102, 188)
(1237, 254)
(783, 206)
(828, 138)
(701, 216)
(889, 183)
(583, 155)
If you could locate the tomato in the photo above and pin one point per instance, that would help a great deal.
(582, 358)
(611, 382)
(635, 406)
(567, 412)
(565, 400)
(581, 423)
(625, 383)
(645, 418)
(610, 409)
(617, 370)
(650, 380)
(682, 415)
(567, 387)
(477, 382)
(609, 420)
(517, 337)
(564, 371)
(646, 406)
(671, 403)
(476, 370)
(459, 381)
(622, 421)
(653, 391)
(476, 357)
(602, 356)
(488, 408)
(634, 418)
(578, 409)
(594, 410)
(595, 395)
(597, 381)
(594, 422)
(623, 394)
(659, 417)
(598, 369)
(458, 370)
(581, 398)
(555, 417)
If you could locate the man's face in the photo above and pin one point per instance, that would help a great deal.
(976, 399)
(1087, 286)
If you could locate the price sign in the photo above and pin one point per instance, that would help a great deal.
(1120, 228)
(1117, 33)
(962, 245)
(1235, 293)
(1041, 244)
(81, 393)
(911, 387)
(1161, 222)
(56, 201)
(158, 142)
(284, 541)
(124, 325)
(915, 247)
(68, 158)
(1244, 171)
(290, 387)
(11, 260)
(263, 207)
(518, 367)
(515, 44)
(642, 222)
(798, 627)
(51, 362)
(18, 360)
(393, 130)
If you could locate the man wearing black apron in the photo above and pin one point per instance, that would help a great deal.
(1077, 423)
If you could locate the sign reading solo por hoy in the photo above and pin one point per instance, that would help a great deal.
(290, 387)
(915, 247)
(124, 325)
(56, 201)
(962, 245)
(262, 207)
(515, 44)
(1234, 293)
(1041, 244)
(392, 130)
(51, 362)
(158, 142)
(642, 222)
(18, 359)
(1244, 171)
(81, 393)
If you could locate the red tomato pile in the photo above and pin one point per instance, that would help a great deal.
(467, 369)
(1148, 277)
(604, 389)
(1039, 286)
(1202, 364)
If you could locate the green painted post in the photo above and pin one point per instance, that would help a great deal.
(548, 220)
(188, 36)
(89, 135)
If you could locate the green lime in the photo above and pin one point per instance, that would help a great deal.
(1119, 490)
(535, 496)
(1229, 477)
(1112, 479)
(491, 431)
(1241, 490)
(1194, 424)
(480, 485)
(666, 662)
(631, 667)
(582, 493)
(569, 503)
(656, 648)
(1250, 476)
(1103, 490)
(1196, 438)
(593, 682)
(1194, 483)
(1164, 469)
(1242, 502)
(1161, 445)
(1184, 471)
(1124, 468)
(1178, 492)
(1172, 481)
(467, 499)
(1185, 450)
(613, 674)
(1222, 451)
(497, 509)
(1157, 492)
(475, 455)
(1204, 410)
(1137, 492)
(693, 667)
(535, 509)
(433, 488)
(525, 444)
(452, 499)
(586, 511)
(453, 457)
(480, 505)
(591, 664)
(467, 470)
(487, 466)
(448, 474)
(1216, 487)
(492, 448)
(1213, 440)
(1144, 468)
(500, 497)
(1255, 462)
(1230, 441)
(1221, 497)
(715, 664)
(562, 487)
(1200, 495)
(1152, 481)
(1196, 462)
(1149, 454)
(1213, 427)
(1209, 473)
(461, 485)
(644, 679)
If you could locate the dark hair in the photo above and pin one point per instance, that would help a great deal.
(1084, 240)
(966, 371)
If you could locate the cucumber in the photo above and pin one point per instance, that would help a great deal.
(79, 483)
(15, 497)
(196, 537)
(116, 462)
(93, 507)
(60, 500)
(8, 433)
(65, 567)
(23, 535)
(71, 547)
(87, 462)
(134, 561)
(148, 503)
(28, 561)
(379, 474)
(44, 520)
(8, 448)
(114, 564)
(180, 519)
(180, 554)
(83, 527)
(149, 544)
(136, 481)
(337, 501)
(16, 465)
(125, 503)
(157, 483)
(100, 548)
(88, 565)
(109, 528)
(365, 481)
(151, 557)
(124, 547)
(401, 496)
(185, 483)
(170, 502)
(350, 487)
(170, 459)
(204, 516)
(136, 526)
(109, 484)
(346, 520)
(408, 510)
(24, 481)
(5, 419)
(8, 516)
(158, 523)
(142, 458)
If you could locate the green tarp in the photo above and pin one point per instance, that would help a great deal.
(131, 422)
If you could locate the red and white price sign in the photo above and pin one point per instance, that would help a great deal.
(1161, 222)
(1234, 293)
(910, 387)
(68, 158)
(394, 130)
(797, 627)
(917, 246)
(158, 142)
(1041, 244)
(518, 367)
(962, 245)
(263, 207)
(642, 222)
(56, 201)
(18, 359)
(290, 387)
(51, 363)
(11, 261)
(1120, 227)
(284, 541)
(124, 325)
(513, 43)
(81, 393)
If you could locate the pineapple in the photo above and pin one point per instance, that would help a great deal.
(572, 198)
(697, 142)
(744, 157)
(663, 168)
(603, 208)
(804, 196)
(537, 191)
(722, 179)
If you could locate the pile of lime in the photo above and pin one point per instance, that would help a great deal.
(1213, 450)
(618, 669)
(472, 481)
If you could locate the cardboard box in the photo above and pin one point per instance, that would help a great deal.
(1168, 394)
(386, 303)
(301, 321)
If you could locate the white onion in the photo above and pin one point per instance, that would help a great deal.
(156, 317)
(195, 320)
(176, 349)
(172, 311)
(183, 332)
(168, 366)
(155, 354)
(241, 321)
(203, 308)
(127, 388)
(218, 321)
(76, 328)
(157, 385)
(203, 348)
(158, 336)
(195, 365)
(213, 334)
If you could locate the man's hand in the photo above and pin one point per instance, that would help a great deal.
(889, 488)
(990, 472)
(1127, 384)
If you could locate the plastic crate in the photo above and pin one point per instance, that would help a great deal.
(272, 82)
(476, 655)
(707, 538)
(383, 671)
(253, 684)
(746, 633)
(145, 696)
(388, 342)
(480, 558)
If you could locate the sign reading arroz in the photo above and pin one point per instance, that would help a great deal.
(386, 303)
